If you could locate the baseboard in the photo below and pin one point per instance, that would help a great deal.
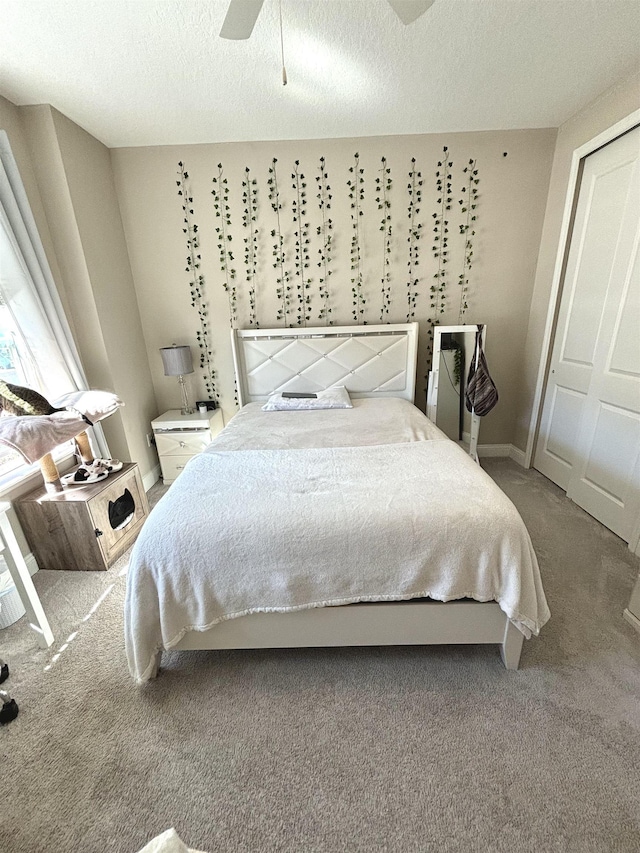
(631, 619)
(151, 478)
(504, 450)
(518, 456)
(485, 450)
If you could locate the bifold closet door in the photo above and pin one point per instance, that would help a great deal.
(589, 440)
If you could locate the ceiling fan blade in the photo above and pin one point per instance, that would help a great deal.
(410, 10)
(240, 19)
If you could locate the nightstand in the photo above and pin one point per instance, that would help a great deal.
(179, 437)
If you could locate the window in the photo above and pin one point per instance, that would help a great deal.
(12, 369)
(36, 346)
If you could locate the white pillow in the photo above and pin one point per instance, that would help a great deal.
(332, 398)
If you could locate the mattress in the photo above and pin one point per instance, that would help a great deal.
(292, 510)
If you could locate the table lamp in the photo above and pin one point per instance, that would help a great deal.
(177, 362)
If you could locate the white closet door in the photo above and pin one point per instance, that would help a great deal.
(589, 442)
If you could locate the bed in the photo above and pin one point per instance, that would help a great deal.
(339, 527)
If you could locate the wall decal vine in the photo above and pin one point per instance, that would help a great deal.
(441, 234)
(220, 193)
(283, 286)
(301, 233)
(197, 284)
(383, 187)
(324, 232)
(414, 188)
(356, 194)
(249, 219)
(469, 205)
(273, 249)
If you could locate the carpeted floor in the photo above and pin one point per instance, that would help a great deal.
(396, 749)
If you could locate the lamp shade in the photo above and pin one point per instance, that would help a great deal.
(176, 360)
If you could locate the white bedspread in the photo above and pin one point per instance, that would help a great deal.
(371, 421)
(288, 529)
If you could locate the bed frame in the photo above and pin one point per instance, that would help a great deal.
(371, 361)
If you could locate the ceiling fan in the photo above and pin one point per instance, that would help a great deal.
(242, 15)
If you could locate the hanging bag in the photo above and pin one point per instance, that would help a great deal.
(481, 394)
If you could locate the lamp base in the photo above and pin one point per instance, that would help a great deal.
(186, 408)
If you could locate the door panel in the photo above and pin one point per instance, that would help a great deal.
(614, 438)
(564, 410)
(589, 441)
(625, 356)
(602, 213)
(606, 481)
(607, 486)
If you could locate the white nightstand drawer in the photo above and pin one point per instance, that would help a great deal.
(182, 444)
(172, 466)
(179, 437)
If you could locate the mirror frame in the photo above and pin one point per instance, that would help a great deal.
(434, 379)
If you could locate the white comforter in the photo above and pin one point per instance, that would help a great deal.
(264, 530)
(371, 421)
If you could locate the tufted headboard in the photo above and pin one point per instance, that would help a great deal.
(371, 361)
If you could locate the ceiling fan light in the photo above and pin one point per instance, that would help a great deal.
(410, 10)
(240, 19)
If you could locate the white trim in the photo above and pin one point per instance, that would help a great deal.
(39, 267)
(631, 619)
(486, 450)
(518, 456)
(151, 478)
(579, 154)
(32, 563)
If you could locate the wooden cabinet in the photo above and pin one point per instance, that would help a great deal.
(86, 527)
(179, 437)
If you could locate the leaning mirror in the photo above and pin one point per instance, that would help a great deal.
(453, 350)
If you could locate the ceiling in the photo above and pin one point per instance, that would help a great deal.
(154, 72)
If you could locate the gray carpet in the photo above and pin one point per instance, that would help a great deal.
(398, 749)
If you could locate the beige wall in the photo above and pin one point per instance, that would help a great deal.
(513, 192)
(605, 111)
(87, 169)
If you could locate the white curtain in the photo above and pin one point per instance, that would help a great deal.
(48, 355)
(41, 361)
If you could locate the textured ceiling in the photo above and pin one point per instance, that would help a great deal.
(150, 72)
